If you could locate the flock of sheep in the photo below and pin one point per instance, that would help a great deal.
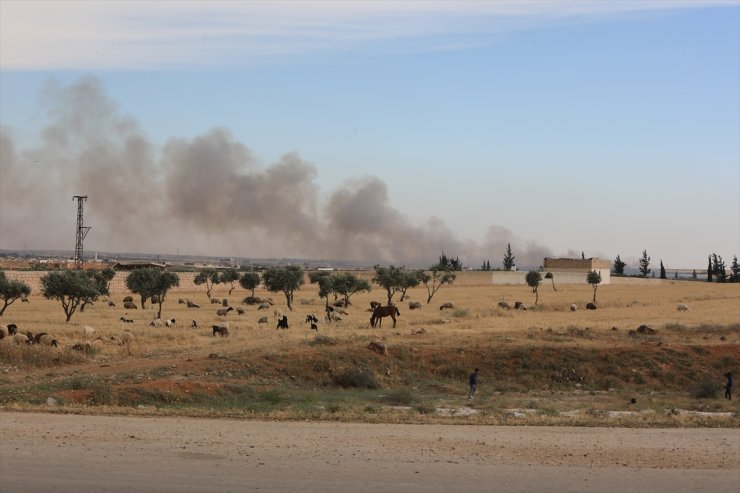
(11, 332)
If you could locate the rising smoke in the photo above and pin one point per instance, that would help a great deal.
(207, 195)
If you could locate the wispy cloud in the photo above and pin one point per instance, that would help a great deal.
(116, 35)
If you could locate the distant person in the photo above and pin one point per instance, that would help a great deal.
(728, 385)
(473, 384)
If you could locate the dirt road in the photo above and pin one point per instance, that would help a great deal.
(55, 452)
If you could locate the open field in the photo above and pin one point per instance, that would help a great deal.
(545, 366)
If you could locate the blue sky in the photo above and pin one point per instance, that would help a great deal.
(604, 127)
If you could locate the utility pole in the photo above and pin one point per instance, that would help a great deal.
(81, 230)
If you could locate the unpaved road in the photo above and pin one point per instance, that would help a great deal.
(60, 453)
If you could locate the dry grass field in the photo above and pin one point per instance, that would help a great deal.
(544, 366)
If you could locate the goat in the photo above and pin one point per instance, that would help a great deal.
(222, 312)
(314, 327)
(240, 311)
(414, 305)
(220, 330)
(282, 323)
(311, 318)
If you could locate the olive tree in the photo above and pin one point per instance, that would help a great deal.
(210, 277)
(250, 281)
(141, 282)
(409, 279)
(594, 279)
(285, 279)
(11, 290)
(163, 281)
(533, 281)
(389, 278)
(102, 279)
(230, 276)
(438, 276)
(348, 284)
(71, 287)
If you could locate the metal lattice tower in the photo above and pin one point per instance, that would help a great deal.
(81, 230)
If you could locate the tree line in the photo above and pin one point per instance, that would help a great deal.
(716, 268)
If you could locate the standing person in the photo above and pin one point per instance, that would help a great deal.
(473, 384)
(728, 386)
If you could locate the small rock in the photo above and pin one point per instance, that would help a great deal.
(51, 402)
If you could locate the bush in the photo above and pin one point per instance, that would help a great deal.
(361, 377)
(321, 340)
(706, 388)
(460, 313)
(400, 397)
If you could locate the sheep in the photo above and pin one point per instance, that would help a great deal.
(221, 330)
(334, 317)
(518, 305)
(225, 302)
(573, 307)
(314, 327)
(48, 340)
(682, 307)
(3, 332)
(157, 322)
(264, 306)
(180, 301)
(88, 331)
(21, 339)
(263, 320)
(194, 325)
(29, 334)
(591, 306)
(126, 320)
(128, 298)
(278, 314)
(215, 301)
(24, 299)
(240, 311)
(127, 337)
(311, 318)
(282, 323)
(129, 305)
(37, 337)
(414, 305)
(504, 304)
(447, 306)
(222, 312)
(170, 322)
(110, 303)
(192, 304)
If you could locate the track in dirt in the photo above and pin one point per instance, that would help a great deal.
(100, 453)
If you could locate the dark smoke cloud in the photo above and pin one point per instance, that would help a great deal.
(205, 195)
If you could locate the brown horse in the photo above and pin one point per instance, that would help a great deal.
(384, 311)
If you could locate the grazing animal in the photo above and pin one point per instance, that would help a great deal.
(192, 304)
(504, 304)
(264, 306)
(127, 337)
(29, 334)
(88, 331)
(447, 306)
(682, 307)
(220, 330)
(170, 322)
(194, 325)
(180, 301)
(24, 299)
(12, 328)
(311, 318)
(21, 339)
(110, 303)
(573, 307)
(591, 306)
(384, 311)
(126, 320)
(128, 298)
(277, 314)
(282, 323)
(129, 305)
(520, 306)
(157, 322)
(37, 337)
(263, 320)
(222, 312)
(414, 305)
(47, 340)
(225, 302)
(8, 330)
(240, 311)
(314, 327)
(334, 317)
(3, 332)
(215, 301)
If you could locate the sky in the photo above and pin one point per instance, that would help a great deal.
(376, 131)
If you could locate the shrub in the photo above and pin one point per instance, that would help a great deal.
(400, 397)
(321, 340)
(360, 377)
(705, 388)
(460, 313)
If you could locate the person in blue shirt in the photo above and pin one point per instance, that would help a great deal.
(473, 384)
(728, 386)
